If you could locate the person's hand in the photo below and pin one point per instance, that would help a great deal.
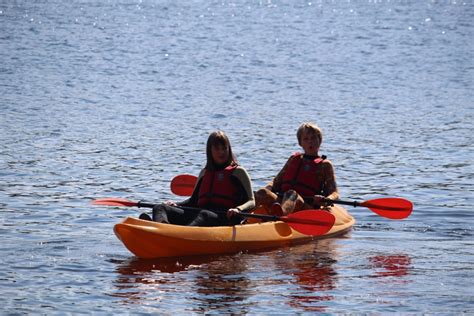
(232, 212)
(171, 203)
(321, 201)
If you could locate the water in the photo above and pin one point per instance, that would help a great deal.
(115, 98)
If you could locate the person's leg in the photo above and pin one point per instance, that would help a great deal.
(291, 202)
(208, 218)
(145, 217)
(265, 198)
(163, 213)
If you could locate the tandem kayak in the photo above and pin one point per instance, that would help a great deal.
(146, 239)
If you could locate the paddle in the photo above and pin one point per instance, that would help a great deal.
(308, 222)
(183, 184)
(393, 208)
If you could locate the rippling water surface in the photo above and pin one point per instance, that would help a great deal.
(114, 98)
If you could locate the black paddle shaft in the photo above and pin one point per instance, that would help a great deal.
(261, 216)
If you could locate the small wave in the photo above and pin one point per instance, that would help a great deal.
(218, 116)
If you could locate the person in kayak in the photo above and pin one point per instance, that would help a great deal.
(304, 182)
(222, 191)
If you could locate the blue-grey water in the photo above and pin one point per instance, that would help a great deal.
(115, 98)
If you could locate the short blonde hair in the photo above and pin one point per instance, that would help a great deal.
(311, 127)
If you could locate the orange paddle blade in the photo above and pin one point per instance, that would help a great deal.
(183, 184)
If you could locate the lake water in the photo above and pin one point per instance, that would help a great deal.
(115, 98)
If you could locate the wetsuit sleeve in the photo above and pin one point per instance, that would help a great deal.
(241, 174)
(330, 187)
(192, 200)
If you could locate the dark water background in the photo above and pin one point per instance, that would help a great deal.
(114, 98)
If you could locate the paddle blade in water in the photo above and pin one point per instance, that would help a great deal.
(114, 202)
(310, 222)
(393, 208)
(183, 184)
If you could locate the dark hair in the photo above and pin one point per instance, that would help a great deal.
(218, 138)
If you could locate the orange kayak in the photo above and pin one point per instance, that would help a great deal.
(147, 239)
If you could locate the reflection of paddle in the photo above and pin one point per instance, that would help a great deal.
(393, 208)
(394, 265)
(309, 222)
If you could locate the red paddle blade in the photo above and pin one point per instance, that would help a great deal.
(310, 222)
(393, 208)
(183, 184)
(276, 209)
(114, 202)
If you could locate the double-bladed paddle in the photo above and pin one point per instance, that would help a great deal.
(393, 208)
(308, 222)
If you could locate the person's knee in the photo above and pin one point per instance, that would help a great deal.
(261, 191)
(159, 208)
(204, 218)
(264, 197)
(159, 213)
(291, 195)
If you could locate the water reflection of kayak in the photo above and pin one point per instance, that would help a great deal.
(147, 239)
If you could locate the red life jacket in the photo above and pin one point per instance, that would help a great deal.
(217, 189)
(304, 176)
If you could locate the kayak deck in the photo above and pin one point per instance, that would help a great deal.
(147, 239)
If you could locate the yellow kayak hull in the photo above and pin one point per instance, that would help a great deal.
(146, 239)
